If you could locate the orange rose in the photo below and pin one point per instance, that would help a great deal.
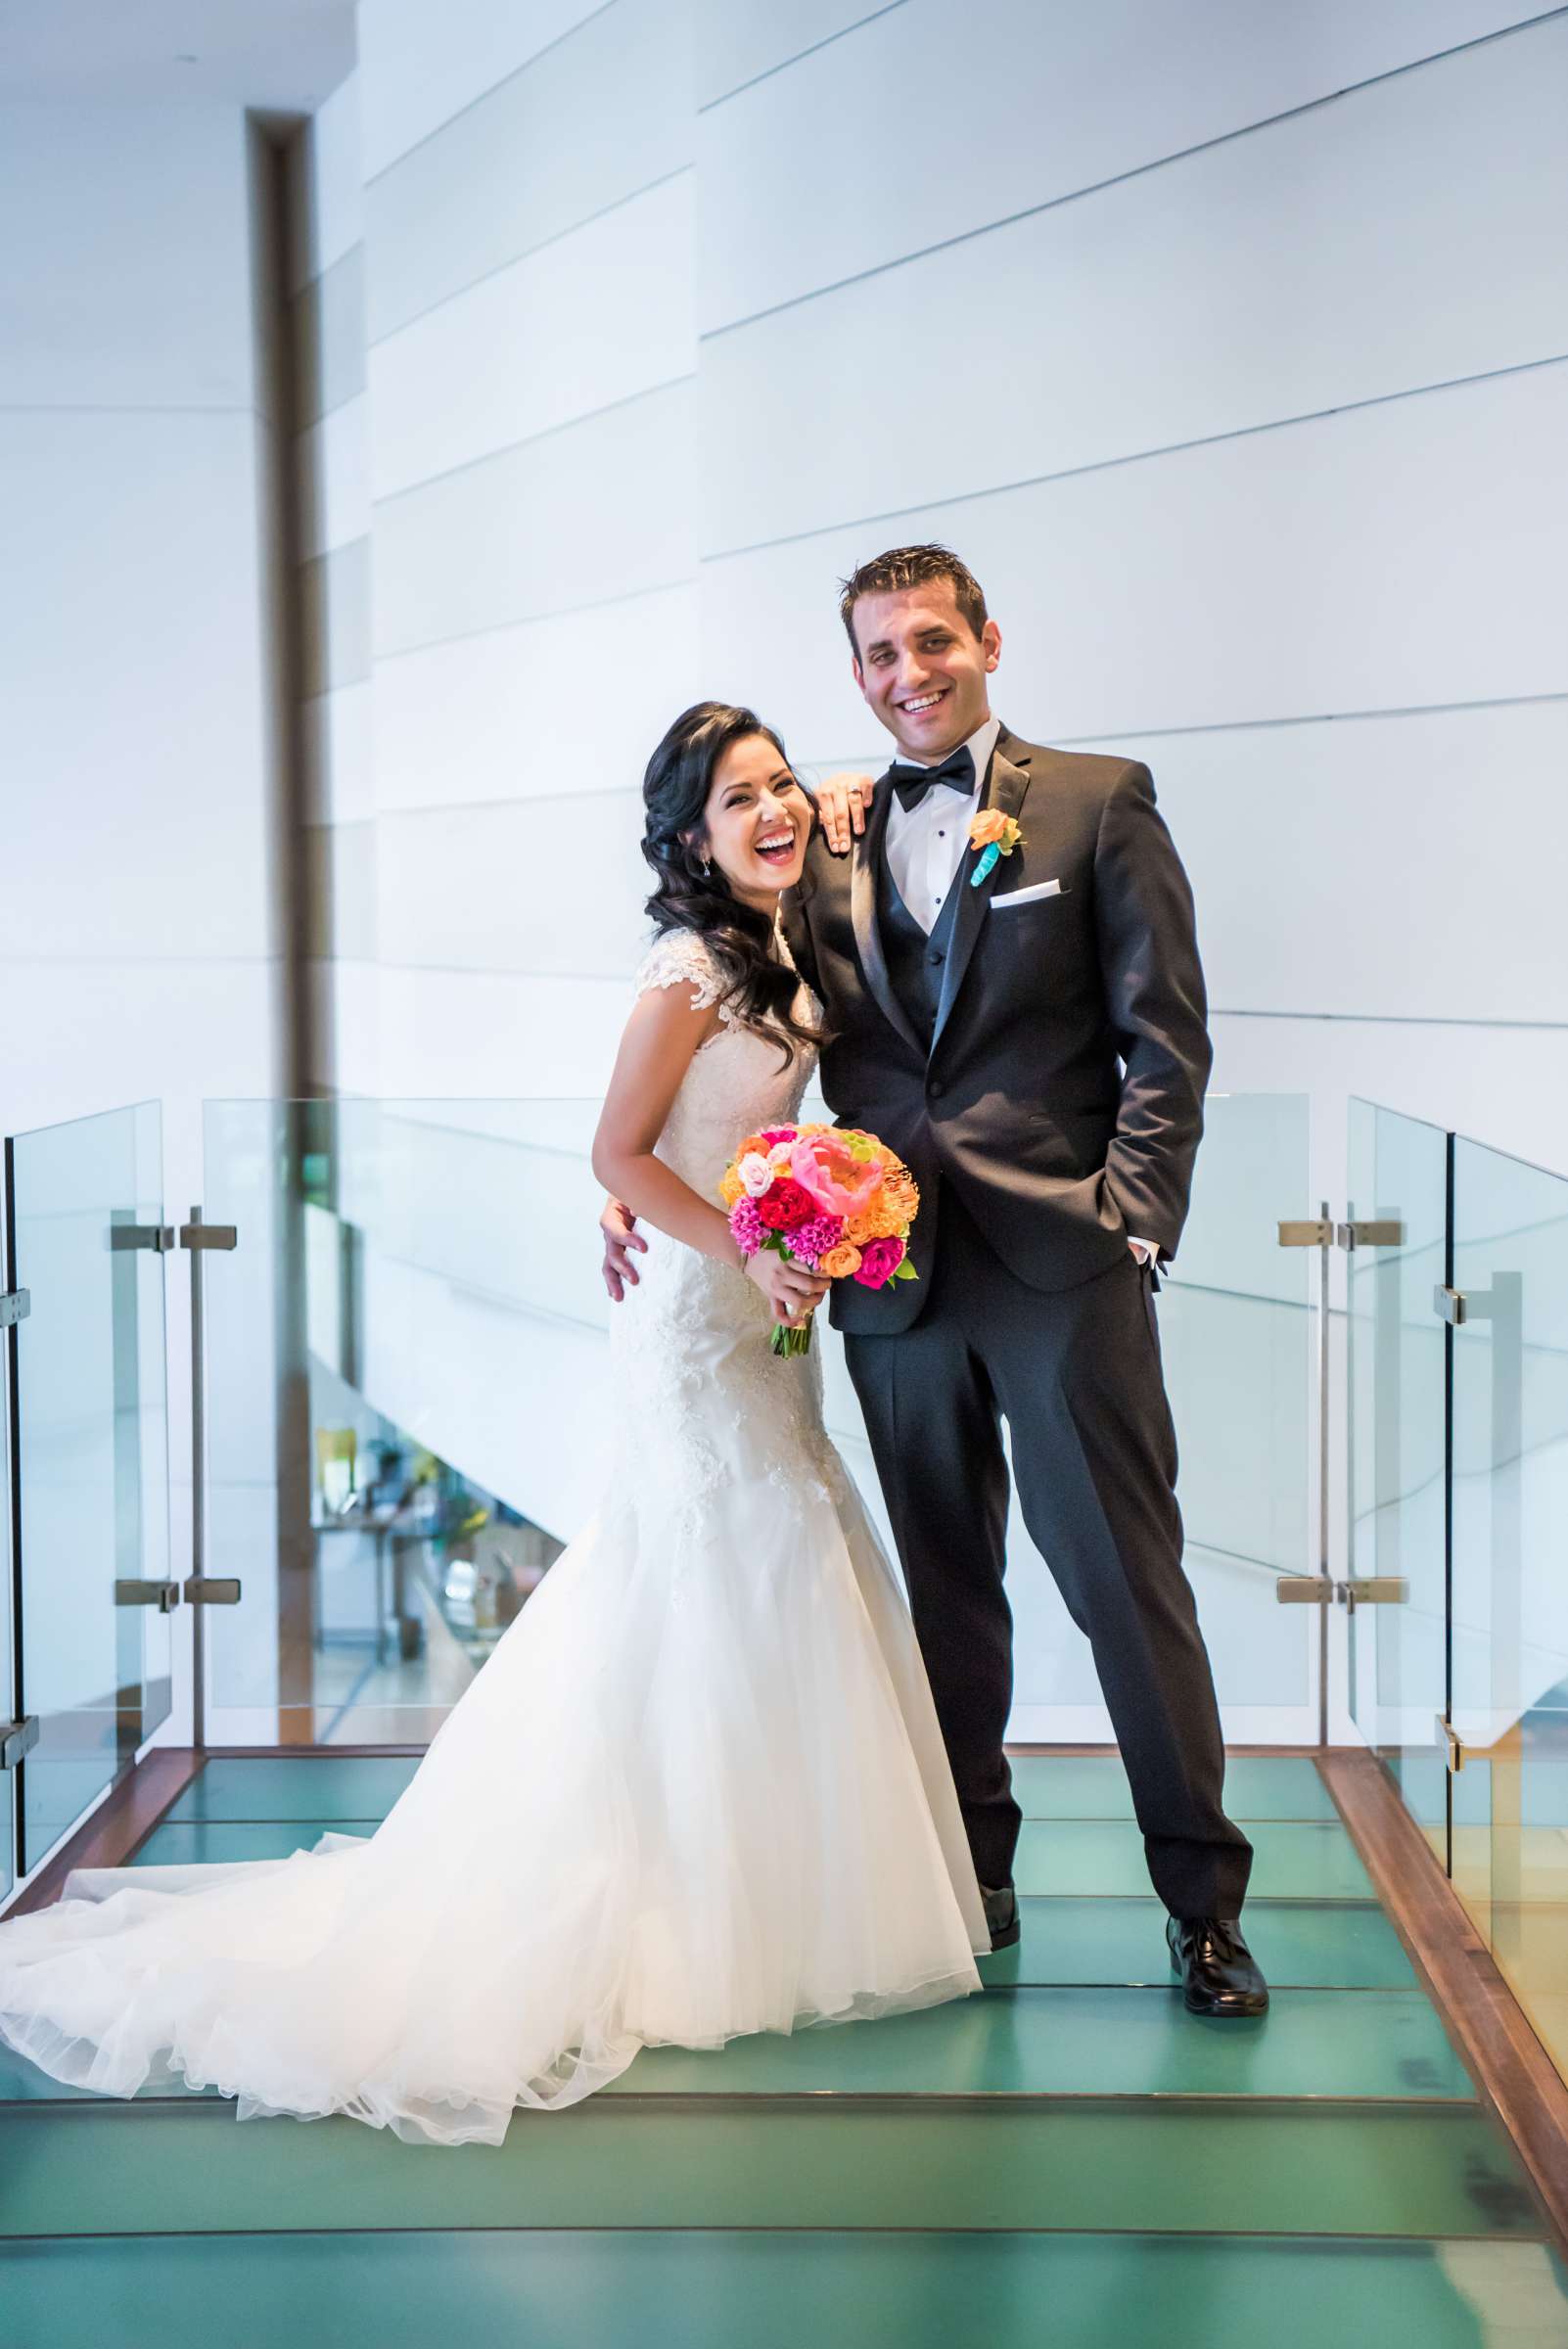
(838, 1263)
(992, 829)
(730, 1186)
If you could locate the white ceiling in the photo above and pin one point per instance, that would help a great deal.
(278, 56)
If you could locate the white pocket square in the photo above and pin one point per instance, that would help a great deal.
(1026, 896)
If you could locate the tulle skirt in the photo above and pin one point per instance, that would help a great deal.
(697, 1790)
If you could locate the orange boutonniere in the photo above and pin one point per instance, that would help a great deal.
(995, 835)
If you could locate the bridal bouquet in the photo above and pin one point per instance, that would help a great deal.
(825, 1196)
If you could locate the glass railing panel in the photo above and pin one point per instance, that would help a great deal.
(405, 1363)
(405, 1379)
(1394, 1372)
(1237, 1333)
(92, 1455)
(1511, 1569)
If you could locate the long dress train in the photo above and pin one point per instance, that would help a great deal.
(698, 1789)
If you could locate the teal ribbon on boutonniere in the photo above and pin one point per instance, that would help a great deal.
(994, 834)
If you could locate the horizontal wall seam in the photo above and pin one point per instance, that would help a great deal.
(551, 432)
(1312, 717)
(527, 253)
(1391, 1019)
(1137, 456)
(525, 620)
(516, 74)
(810, 49)
(1160, 162)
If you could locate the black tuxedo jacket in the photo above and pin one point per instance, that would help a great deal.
(1062, 1096)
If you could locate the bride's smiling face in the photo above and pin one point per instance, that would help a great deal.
(757, 822)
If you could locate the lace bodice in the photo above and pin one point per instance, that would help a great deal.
(738, 1081)
(694, 1376)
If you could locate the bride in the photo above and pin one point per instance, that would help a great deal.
(699, 1788)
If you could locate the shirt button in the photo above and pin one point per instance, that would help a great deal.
(934, 955)
(936, 1088)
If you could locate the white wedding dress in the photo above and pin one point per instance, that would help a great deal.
(698, 1789)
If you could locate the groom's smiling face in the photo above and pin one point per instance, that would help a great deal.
(922, 667)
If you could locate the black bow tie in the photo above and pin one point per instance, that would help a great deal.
(957, 771)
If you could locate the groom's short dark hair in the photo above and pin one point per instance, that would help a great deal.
(911, 567)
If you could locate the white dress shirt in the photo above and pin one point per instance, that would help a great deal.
(925, 844)
(925, 848)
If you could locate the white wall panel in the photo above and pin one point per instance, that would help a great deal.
(1391, 557)
(1045, 101)
(334, 479)
(537, 886)
(603, 508)
(340, 777)
(1507, 1086)
(82, 272)
(420, 66)
(129, 609)
(560, 704)
(596, 119)
(328, 213)
(1366, 866)
(473, 1035)
(736, 40)
(91, 1034)
(1332, 257)
(593, 318)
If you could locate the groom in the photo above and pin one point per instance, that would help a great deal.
(1028, 1032)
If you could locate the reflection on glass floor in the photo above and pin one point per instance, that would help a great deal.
(1070, 2158)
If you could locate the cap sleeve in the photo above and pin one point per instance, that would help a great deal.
(681, 957)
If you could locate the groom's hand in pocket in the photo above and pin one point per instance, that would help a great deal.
(621, 1236)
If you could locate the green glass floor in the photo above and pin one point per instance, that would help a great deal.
(692, 2290)
(1050, 2161)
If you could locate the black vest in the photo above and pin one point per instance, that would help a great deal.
(916, 963)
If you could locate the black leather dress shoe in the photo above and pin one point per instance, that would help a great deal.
(1218, 1972)
(1002, 1915)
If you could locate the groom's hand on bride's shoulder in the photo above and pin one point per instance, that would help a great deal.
(841, 803)
(621, 1236)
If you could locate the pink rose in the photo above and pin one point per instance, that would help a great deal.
(879, 1261)
(841, 1184)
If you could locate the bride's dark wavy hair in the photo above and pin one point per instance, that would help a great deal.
(692, 893)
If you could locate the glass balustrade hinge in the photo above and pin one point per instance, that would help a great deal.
(1361, 1590)
(164, 1596)
(16, 1737)
(212, 1591)
(1384, 1234)
(1454, 1743)
(1457, 1307)
(208, 1235)
(159, 1237)
(14, 1305)
(1309, 1231)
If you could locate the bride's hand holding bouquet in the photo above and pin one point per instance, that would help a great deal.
(828, 1199)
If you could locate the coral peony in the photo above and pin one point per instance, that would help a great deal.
(785, 1205)
(879, 1261)
(841, 1183)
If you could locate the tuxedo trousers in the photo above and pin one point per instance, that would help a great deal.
(1077, 1375)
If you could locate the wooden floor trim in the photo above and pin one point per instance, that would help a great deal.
(121, 1824)
(1492, 2034)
